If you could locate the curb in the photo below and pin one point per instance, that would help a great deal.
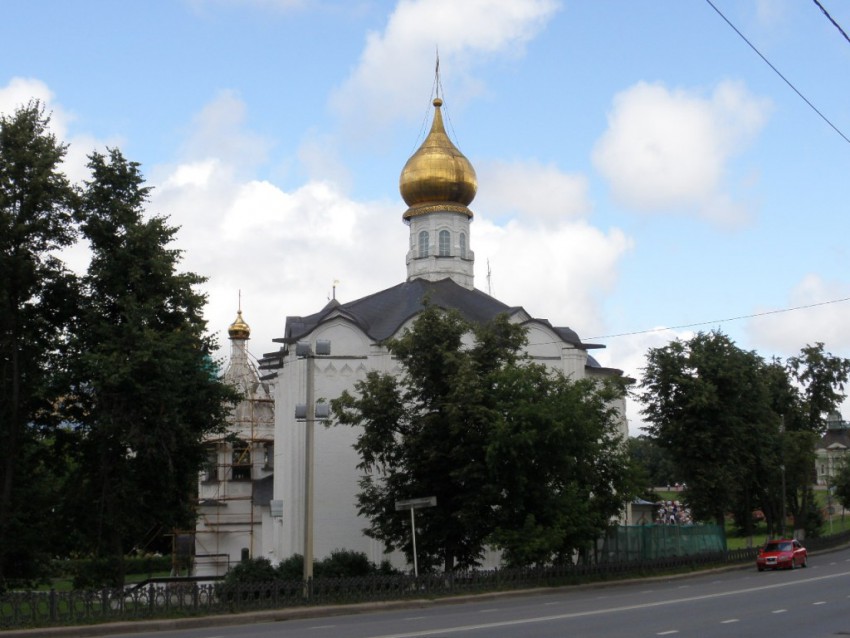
(324, 611)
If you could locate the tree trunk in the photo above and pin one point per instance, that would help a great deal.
(10, 456)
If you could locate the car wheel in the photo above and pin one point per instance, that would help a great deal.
(761, 569)
(805, 563)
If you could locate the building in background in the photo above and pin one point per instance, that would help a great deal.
(831, 450)
(437, 183)
(235, 487)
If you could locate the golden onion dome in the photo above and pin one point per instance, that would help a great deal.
(239, 329)
(437, 177)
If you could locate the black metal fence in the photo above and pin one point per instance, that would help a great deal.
(170, 598)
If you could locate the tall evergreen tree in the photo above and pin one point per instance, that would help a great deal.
(147, 387)
(36, 304)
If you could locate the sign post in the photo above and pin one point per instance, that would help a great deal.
(414, 504)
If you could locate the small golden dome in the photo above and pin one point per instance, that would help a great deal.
(239, 329)
(437, 176)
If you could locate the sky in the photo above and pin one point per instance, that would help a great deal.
(643, 173)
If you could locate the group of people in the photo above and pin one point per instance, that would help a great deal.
(673, 513)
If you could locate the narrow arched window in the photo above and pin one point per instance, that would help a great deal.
(445, 243)
(423, 243)
(241, 456)
(463, 245)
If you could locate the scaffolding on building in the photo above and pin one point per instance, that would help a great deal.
(235, 486)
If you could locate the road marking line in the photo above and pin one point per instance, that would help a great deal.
(667, 633)
(731, 620)
(778, 611)
(820, 602)
(610, 610)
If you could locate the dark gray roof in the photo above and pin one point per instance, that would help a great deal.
(833, 436)
(381, 314)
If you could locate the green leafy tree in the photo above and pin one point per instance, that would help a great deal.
(706, 401)
(655, 462)
(776, 452)
(424, 435)
(451, 427)
(558, 462)
(147, 389)
(841, 484)
(36, 306)
(820, 378)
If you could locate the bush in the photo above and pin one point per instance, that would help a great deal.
(98, 572)
(245, 580)
(253, 570)
(340, 564)
(292, 568)
(344, 564)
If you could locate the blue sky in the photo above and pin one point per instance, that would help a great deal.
(639, 165)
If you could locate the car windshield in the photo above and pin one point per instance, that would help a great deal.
(777, 547)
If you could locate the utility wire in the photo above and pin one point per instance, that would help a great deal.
(829, 17)
(775, 70)
(705, 323)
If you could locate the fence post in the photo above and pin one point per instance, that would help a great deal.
(54, 611)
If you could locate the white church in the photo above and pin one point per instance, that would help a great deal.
(344, 342)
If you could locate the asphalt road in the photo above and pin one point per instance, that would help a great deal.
(804, 603)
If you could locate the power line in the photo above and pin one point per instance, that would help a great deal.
(829, 17)
(716, 321)
(775, 70)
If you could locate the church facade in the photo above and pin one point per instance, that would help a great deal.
(343, 341)
(235, 486)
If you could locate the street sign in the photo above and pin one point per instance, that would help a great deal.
(416, 503)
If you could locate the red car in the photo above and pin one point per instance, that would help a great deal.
(782, 553)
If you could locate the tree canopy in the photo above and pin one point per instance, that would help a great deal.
(36, 306)
(145, 391)
(107, 382)
(737, 427)
(518, 457)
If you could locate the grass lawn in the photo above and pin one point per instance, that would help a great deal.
(66, 584)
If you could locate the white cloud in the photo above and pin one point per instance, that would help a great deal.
(219, 131)
(544, 257)
(285, 248)
(545, 192)
(388, 81)
(20, 91)
(282, 249)
(318, 154)
(668, 151)
(785, 333)
(558, 273)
